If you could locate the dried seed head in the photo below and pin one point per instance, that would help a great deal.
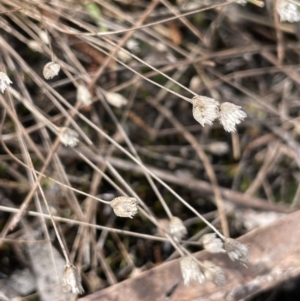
(163, 227)
(116, 99)
(71, 280)
(84, 95)
(236, 250)
(287, 11)
(68, 137)
(205, 109)
(44, 36)
(4, 81)
(218, 148)
(212, 243)
(177, 228)
(124, 206)
(230, 115)
(213, 273)
(124, 56)
(35, 46)
(191, 270)
(51, 69)
(195, 83)
(133, 45)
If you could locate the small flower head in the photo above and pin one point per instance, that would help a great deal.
(4, 81)
(177, 228)
(68, 137)
(287, 11)
(212, 243)
(230, 115)
(213, 273)
(84, 95)
(51, 69)
(71, 280)
(191, 270)
(205, 109)
(116, 99)
(236, 250)
(124, 206)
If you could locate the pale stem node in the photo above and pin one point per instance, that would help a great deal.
(205, 109)
(71, 280)
(51, 69)
(124, 206)
(67, 136)
(4, 81)
(177, 228)
(191, 270)
(212, 243)
(230, 115)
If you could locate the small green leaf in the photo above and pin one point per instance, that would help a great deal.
(94, 11)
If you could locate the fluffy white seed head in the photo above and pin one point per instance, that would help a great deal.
(191, 270)
(213, 273)
(236, 250)
(177, 228)
(116, 99)
(4, 81)
(124, 206)
(212, 243)
(84, 95)
(230, 115)
(205, 109)
(71, 280)
(51, 69)
(68, 137)
(288, 11)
